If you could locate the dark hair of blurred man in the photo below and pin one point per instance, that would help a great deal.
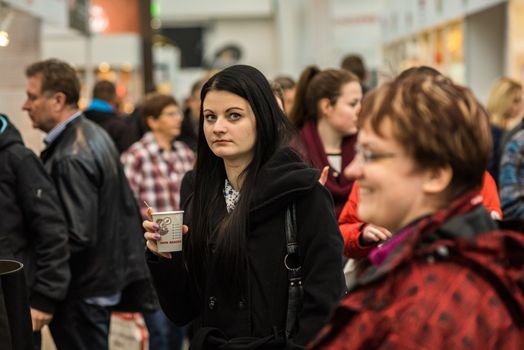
(103, 112)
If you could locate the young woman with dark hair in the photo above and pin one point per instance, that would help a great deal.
(231, 279)
(327, 103)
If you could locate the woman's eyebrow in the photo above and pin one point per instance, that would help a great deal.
(230, 108)
(227, 110)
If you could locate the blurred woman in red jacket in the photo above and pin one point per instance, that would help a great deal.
(449, 277)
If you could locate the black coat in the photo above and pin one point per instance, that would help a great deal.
(105, 235)
(283, 179)
(33, 228)
(121, 132)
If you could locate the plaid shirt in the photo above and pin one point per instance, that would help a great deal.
(511, 178)
(154, 175)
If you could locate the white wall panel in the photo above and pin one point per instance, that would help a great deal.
(201, 10)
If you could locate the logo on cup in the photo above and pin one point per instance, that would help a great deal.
(163, 223)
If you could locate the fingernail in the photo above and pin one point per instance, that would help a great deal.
(156, 227)
(157, 236)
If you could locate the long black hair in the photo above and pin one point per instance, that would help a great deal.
(272, 132)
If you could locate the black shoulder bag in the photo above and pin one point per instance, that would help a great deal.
(292, 264)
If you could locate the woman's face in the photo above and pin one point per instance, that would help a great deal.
(343, 115)
(392, 192)
(168, 123)
(516, 106)
(289, 99)
(229, 126)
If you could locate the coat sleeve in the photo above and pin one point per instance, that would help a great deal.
(321, 248)
(511, 178)
(351, 227)
(174, 287)
(490, 197)
(76, 186)
(48, 233)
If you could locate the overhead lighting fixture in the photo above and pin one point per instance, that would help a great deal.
(156, 23)
(6, 16)
(98, 19)
(104, 67)
(4, 38)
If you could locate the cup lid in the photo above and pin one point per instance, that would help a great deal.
(168, 212)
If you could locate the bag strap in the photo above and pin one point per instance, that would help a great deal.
(292, 264)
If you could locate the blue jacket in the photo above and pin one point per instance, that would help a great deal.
(511, 177)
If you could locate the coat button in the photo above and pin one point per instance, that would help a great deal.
(241, 304)
(212, 302)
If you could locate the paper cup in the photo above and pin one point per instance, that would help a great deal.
(170, 230)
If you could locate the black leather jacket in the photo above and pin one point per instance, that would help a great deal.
(105, 234)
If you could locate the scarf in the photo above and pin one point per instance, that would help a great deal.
(428, 223)
(337, 184)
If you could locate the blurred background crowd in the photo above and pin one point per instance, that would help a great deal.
(169, 44)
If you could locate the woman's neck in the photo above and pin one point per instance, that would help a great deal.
(331, 139)
(512, 122)
(233, 173)
(164, 142)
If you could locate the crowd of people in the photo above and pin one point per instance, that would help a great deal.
(318, 214)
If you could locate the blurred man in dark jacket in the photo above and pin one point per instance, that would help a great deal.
(33, 228)
(102, 111)
(104, 224)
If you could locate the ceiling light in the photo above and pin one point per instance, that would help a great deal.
(4, 39)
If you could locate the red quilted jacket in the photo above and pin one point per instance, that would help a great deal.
(455, 282)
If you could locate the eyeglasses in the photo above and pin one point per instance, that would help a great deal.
(172, 114)
(368, 156)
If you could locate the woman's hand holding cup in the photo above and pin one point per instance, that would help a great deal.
(152, 236)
